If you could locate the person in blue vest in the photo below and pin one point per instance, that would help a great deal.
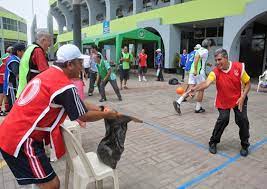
(183, 58)
(12, 73)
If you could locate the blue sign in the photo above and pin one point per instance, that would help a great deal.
(106, 28)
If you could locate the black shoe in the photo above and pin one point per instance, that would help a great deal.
(102, 100)
(120, 99)
(244, 152)
(176, 106)
(213, 148)
(201, 110)
(90, 94)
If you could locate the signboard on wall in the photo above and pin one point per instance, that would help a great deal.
(106, 27)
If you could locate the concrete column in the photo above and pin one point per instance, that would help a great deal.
(137, 6)
(60, 20)
(33, 29)
(77, 37)
(68, 15)
(84, 14)
(111, 6)
(2, 39)
(173, 2)
(50, 30)
(171, 37)
(94, 8)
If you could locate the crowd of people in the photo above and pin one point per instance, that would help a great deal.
(42, 96)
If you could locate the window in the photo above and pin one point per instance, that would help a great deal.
(211, 32)
(22, 27)
(10, 24)
(200, 33)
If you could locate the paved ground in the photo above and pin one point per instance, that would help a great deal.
(170, 151)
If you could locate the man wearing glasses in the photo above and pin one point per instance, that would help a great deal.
(233, 85)
(37, 115)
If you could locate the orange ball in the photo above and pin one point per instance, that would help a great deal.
(180, 90)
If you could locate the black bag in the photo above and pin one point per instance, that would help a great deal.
(111, 146)
(174, 81)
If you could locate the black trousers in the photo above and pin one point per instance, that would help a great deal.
(160, 76)
(241, 119)
(92, 77)
(114, 85)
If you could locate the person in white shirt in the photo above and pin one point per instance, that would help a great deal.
(196, 75)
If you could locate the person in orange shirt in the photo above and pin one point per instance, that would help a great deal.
(233, 85)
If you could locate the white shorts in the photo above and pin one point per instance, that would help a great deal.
(193, 80)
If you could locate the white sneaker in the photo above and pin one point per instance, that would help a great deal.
(144, 79)
(139, 78)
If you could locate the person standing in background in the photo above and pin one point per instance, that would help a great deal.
(125, 71)
(12, 73)
(3, 97)
(159, 65)
(92, 70)
(142, 65)
(183, 59)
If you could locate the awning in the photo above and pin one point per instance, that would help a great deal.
(139, 34)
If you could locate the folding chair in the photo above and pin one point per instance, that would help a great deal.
(85, 167)
(262, 80)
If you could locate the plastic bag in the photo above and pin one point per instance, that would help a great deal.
(111, 147)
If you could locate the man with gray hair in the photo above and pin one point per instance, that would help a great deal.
(233, 85)
(196, 75)
(34, 60)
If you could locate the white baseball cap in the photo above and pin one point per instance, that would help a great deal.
(198, 46)
(69, 52)
(158, 50)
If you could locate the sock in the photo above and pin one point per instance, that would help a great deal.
(181, 99)
(198, 106)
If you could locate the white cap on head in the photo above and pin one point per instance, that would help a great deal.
(69, 52)
(198, 46)
(158, 50)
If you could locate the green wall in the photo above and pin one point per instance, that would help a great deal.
(180, 13)
(14, 35)
(51, 2)
(12, 16)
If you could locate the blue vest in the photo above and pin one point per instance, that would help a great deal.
(183, 59)
(12, 58)
(190, 60)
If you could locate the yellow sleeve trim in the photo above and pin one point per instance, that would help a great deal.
(245, 77)
(212, 76)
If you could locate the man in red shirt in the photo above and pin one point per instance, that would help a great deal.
(142, 65)
(34, 60)
(233, 85)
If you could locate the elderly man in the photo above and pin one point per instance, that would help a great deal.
(37, 115)
(229, 77)
(34, 60)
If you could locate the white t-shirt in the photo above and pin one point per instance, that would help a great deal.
(203, 53)
(86, 62)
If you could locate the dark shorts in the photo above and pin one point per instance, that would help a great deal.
(1, 88)
(142, 70)
(124, 74)
(32, 166)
